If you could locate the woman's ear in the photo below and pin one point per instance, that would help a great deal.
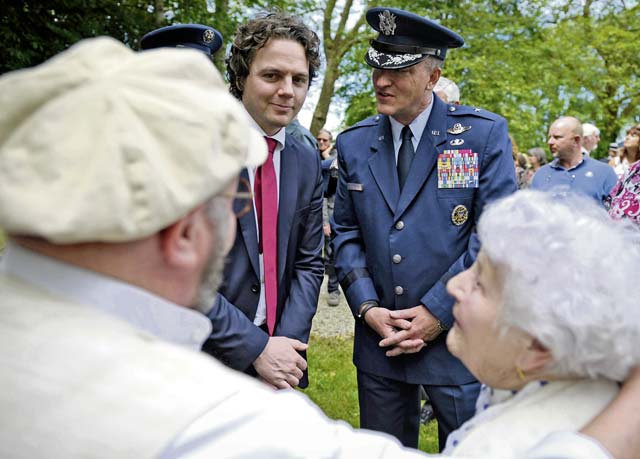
(534, 358)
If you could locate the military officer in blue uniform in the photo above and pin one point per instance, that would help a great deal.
(413, 182)
(194, 36)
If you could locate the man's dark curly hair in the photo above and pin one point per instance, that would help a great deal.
(253, 35)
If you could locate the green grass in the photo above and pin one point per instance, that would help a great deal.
(333, 385)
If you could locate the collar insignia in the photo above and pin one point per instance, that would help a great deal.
(435, 132)
(456, 142)
(387, 22)
(207, 36)
(458, 129)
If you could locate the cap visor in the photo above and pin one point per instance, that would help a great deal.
(379, 60)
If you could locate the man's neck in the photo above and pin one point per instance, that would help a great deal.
(571, 161)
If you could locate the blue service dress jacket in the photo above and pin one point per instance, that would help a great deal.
(400, 249)
(235, 340)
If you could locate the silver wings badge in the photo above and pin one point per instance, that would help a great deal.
(458, 129)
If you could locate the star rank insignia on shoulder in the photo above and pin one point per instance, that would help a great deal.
(458, 129)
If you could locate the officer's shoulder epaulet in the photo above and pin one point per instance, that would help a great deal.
(367, 122)
(466, 110)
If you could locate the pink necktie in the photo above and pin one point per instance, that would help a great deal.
(266, 197)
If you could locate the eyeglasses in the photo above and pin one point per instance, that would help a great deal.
(242, 198)
(323, 140)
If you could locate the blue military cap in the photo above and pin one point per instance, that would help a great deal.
(197, 36)
(405, 39)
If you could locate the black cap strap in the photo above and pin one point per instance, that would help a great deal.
(403, 49)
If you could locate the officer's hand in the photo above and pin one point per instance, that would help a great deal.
(280, 365)
(423, 327)
(379, 319)
(326, 229)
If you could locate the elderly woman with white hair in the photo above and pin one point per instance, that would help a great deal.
(548, 327)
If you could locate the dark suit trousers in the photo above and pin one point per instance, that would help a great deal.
(393, 407)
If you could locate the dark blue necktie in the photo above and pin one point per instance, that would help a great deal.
(405, 156)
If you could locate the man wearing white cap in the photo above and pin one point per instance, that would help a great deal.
(447, 90)
(116, 195)
(590, 138)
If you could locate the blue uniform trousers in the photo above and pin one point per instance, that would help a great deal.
(393, 407)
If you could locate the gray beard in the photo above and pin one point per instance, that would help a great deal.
(213, 273)
(211, 280)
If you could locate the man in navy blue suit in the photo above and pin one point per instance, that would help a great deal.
(262, 316)
(413, 181)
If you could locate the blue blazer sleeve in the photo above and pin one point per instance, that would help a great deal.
(302, 299)
(348, 244)
(234, 339)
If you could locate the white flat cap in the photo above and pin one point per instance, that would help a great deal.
(101, 143)
(589, 129)
(449, 88)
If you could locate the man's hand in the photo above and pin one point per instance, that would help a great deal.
(326, 229)
(423, 327)
(279, 364)
(380, 320)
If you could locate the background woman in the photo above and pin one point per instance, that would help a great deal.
(624, 199)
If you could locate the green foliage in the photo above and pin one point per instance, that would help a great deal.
(33, 31)
(527, 61)
(1, 240)
(333, 385)
(532, 62)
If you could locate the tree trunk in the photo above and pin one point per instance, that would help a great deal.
(326, 94)
(158, 9)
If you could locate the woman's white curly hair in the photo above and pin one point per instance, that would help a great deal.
(570, 276)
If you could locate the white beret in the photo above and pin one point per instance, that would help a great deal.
(589, 129)
(101, 143)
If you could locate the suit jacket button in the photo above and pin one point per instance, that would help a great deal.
(396, 258)
(400, 225)
(399, 290)
(255, 288)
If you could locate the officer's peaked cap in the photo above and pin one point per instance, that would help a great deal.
(196, 36)
(404, 39)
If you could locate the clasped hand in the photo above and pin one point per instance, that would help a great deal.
(406, 331)
(280, 365)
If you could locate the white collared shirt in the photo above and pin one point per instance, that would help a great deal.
(134, 305)
(417, 128)
(279, 137)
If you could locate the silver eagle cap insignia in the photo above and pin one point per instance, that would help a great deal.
(458, 129)
(207, 36)
(387, 22)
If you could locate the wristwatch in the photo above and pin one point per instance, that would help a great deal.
(441, 327)
(365, 307)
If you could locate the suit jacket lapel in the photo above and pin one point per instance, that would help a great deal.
(383, 164)
(434, 134)
(247, 224)
(287, 199)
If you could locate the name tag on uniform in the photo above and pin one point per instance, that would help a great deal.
(355, 187)
(458, 169)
